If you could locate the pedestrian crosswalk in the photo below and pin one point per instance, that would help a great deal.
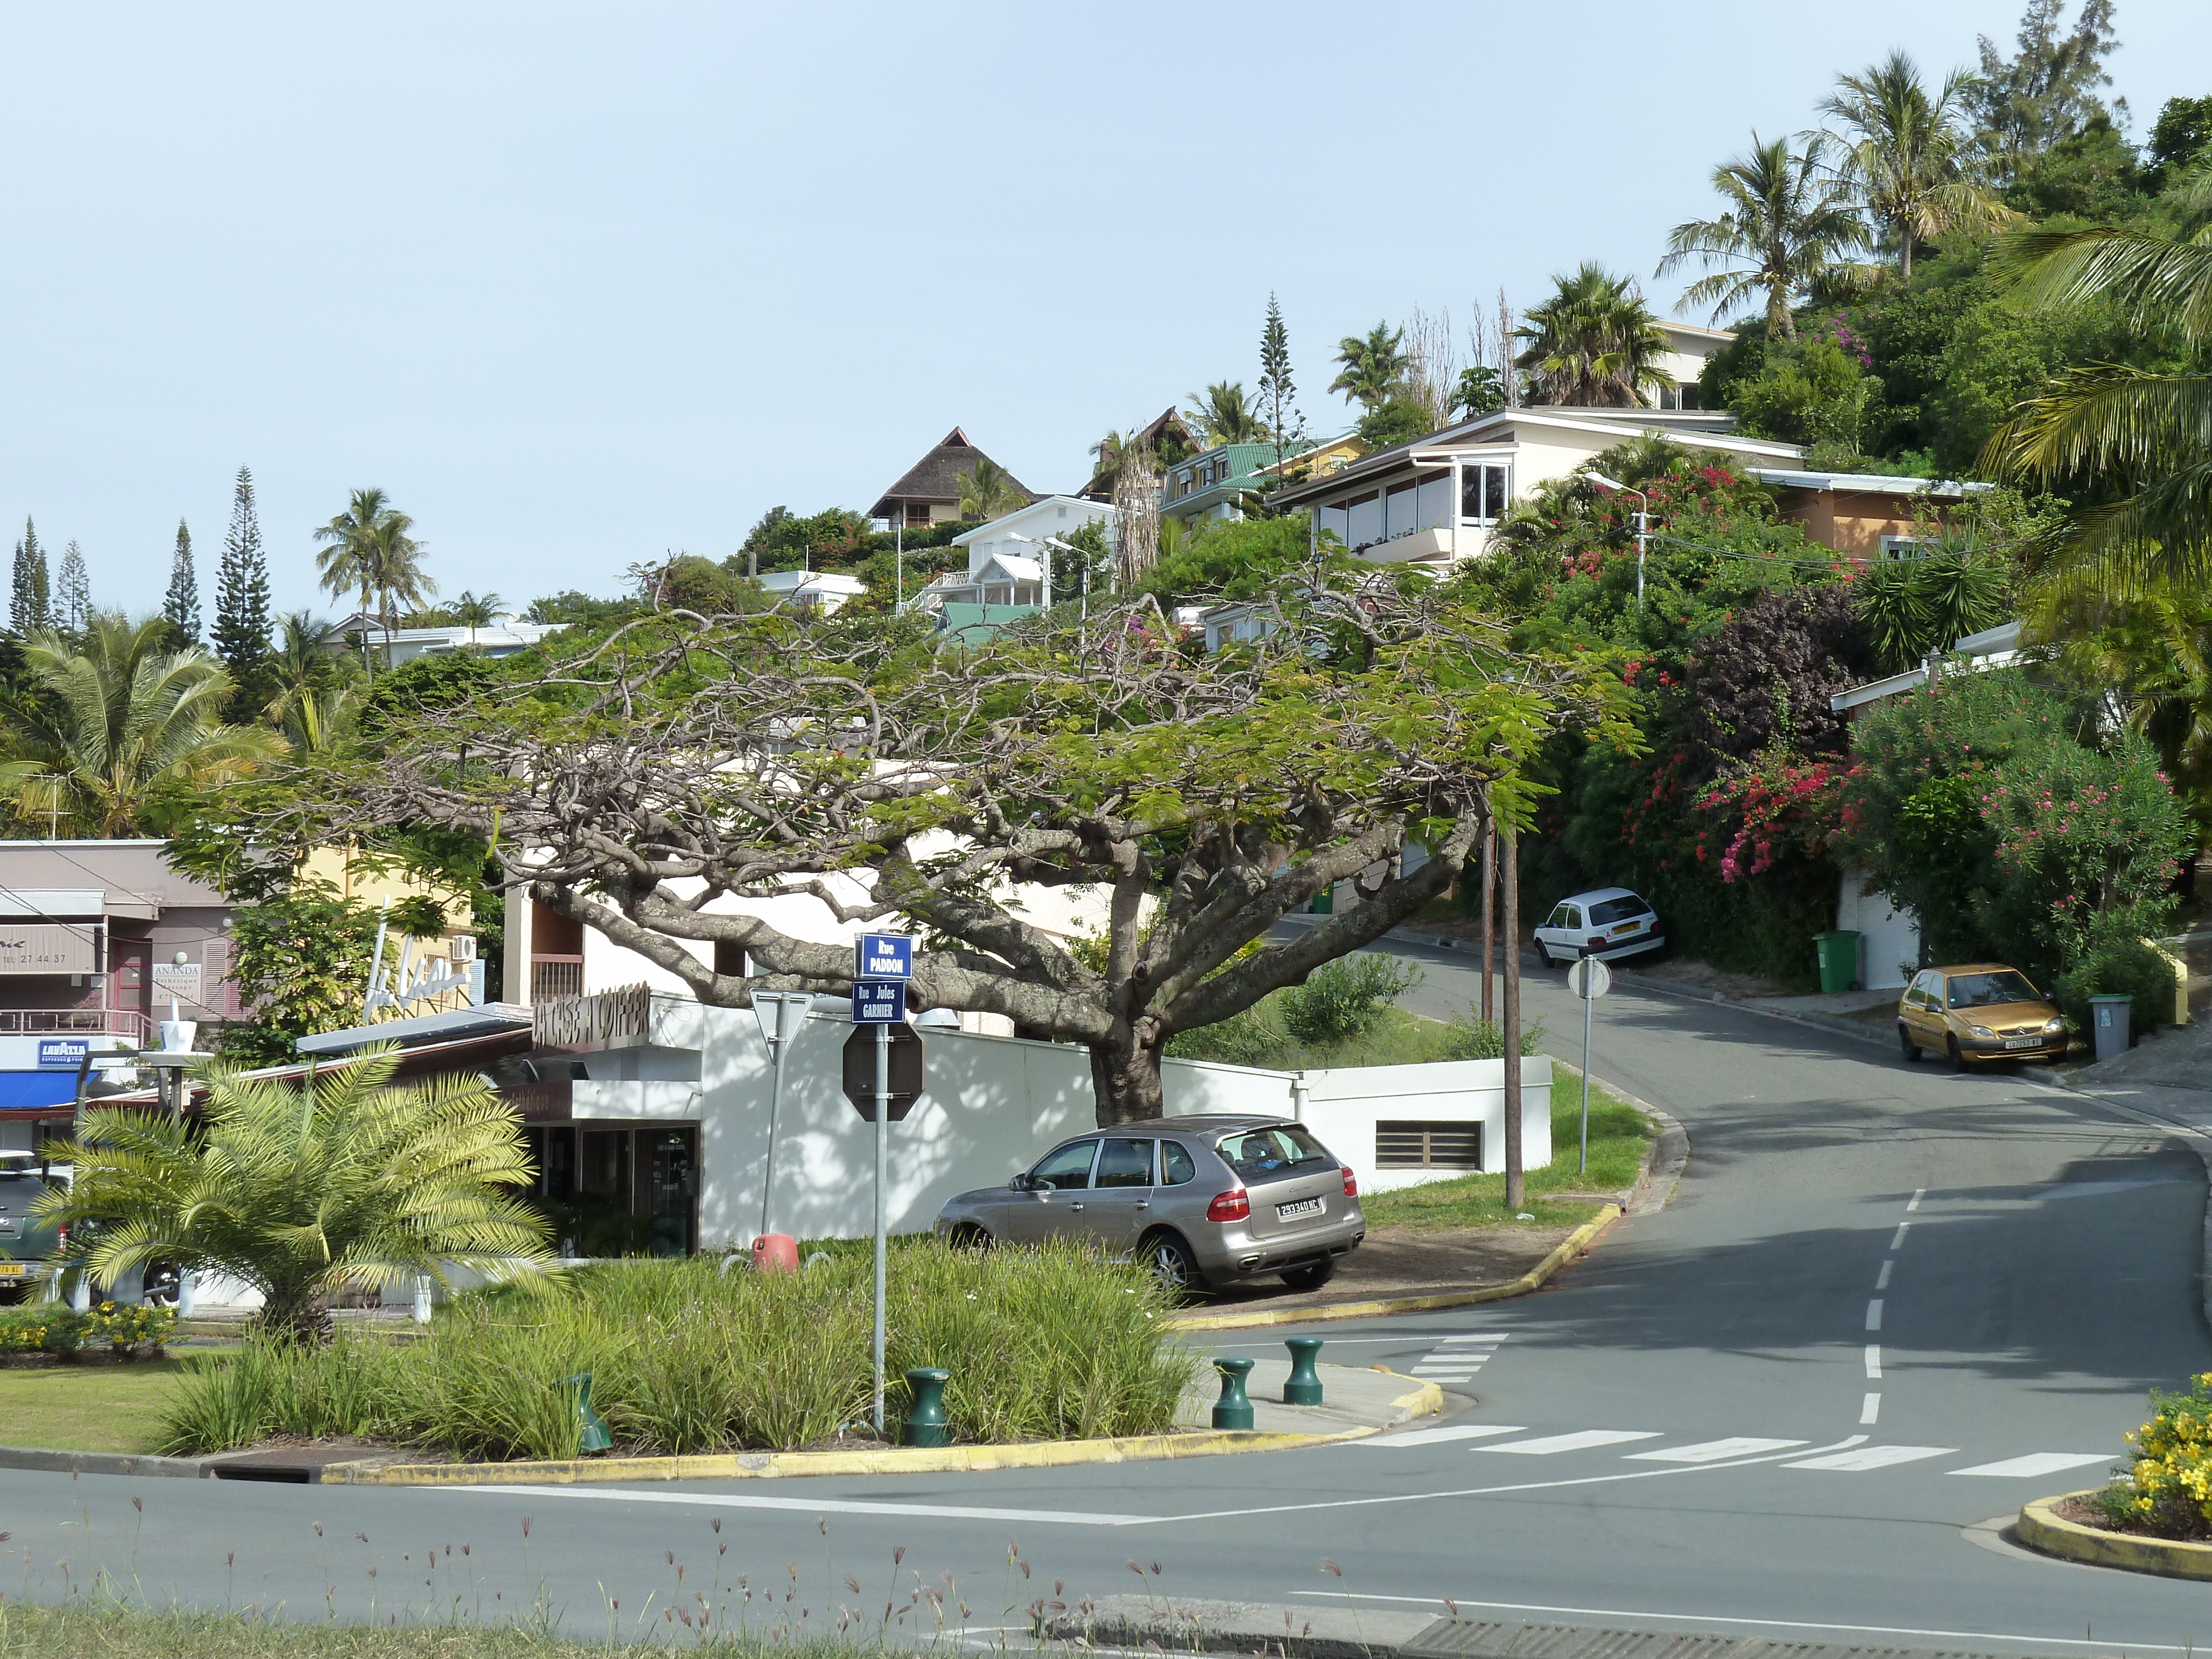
(1498, 1438)
(1457, 1358)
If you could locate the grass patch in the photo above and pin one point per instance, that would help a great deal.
(1395, 1038)
(1053, 1342)
(29, 1631)
(106, 1408)
(1618, 1136)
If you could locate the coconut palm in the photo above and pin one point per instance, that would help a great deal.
(351, 1182)
(2137, 443)
(1789, 221)
(1222, 417)
(120, 727)
(986, 489)
(370, 546)
(476, 610)
(1594, 343)
(1371, 369)
(1907, 155)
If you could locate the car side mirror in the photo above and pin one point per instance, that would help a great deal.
(1020, 1183)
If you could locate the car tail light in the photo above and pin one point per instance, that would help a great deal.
(1234, 1204)
(1350, 1185)
(1596, 944)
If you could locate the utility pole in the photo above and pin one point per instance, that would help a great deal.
(1489, 917)
(1509, 870)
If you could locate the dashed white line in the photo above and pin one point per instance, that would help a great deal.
(1871, 1411)
(1918, 1192)
(1873, 1362)
(1874, 1315)
(1882, 1279)
(1898, 1243)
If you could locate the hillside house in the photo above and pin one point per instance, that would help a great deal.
(928, 492)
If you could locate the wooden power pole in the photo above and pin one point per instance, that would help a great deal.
(1489, 919)
(1509, 870)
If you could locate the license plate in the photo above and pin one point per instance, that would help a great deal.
(2024, 1043)
(1303, 1206)
(1626, 927)
(12, 1270)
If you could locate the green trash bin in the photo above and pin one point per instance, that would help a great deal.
(1840, 960)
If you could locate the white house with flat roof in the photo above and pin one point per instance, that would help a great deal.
(502, 638)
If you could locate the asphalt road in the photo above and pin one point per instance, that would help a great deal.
(1887, 1305)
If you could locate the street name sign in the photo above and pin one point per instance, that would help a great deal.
(879, 1002)
(882, 955)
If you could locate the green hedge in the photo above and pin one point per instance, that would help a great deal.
(55, 1328)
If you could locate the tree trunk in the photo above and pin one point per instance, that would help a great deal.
(1126, 1081)
(1509, 870)
(292, 1318)
(1489, 920)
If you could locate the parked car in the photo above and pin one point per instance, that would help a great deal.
(27, 1242)
(1607, 922)
(1982, 1011)
(1207, 1200)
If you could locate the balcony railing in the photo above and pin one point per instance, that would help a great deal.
(74, 1022)
(554, 977)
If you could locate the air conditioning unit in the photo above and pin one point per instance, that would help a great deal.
(461, 949)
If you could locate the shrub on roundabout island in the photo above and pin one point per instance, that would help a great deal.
(2168, 1491)
(1053, 1342)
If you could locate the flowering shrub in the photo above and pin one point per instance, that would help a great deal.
(55, 1328)
(124, 1325)
(39, 1328)
(1773, 810)
(2169, 1488)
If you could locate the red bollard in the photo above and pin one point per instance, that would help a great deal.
(776, 1252)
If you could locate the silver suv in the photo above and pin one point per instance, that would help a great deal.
(1206, 1200)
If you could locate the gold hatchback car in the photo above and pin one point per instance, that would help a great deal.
(1984, 1011)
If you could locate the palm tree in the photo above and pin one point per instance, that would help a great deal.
(121, 727)
(1788, 219)
(1594, 344)
(478, 610)
(369, 545)
(2137, 442)
(319, 693)
(987, 489)
(351, 1182)
(1222, 417)
(1371, 368)
(1907, 155)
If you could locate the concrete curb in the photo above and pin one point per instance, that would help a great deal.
(1664, 1160)
(55, 1461)
(2041, 1527)
(1574, 1244)
(1423, 1400)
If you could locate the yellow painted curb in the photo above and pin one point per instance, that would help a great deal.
(1427, 1399)
(1574, 1244)
(2041, 1527)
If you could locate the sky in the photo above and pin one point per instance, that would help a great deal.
(581, 285)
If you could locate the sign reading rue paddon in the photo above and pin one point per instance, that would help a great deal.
(882, 955)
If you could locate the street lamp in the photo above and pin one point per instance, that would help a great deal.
(1643, 525)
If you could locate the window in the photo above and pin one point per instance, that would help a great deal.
(1398, 511)
(1991, 990)
(1434, 505)
(1177, 1166)
(1689, 394)
(1068, 1170)
(1278, 1152)
(1366, 512)
(1620, 909)
(1124, 1163)
(1337, 520)
(1403, 1144)
(917, 513)
(1906, 547)
(1561, 917)
(1483, 496)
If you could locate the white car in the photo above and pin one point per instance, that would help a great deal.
(1607, 922)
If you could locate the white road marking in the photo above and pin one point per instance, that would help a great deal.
(1870, 1457)
(820, 1506)
(1874, 1315)
(1918, 1193)
(1479, 1336)
(1581, 1440)
(1873, 1362)
(1445, 1373)
(1711, 1451)
(1882, 1279)
(1870, 1410)
(2039, 1463)
(1431, 1437)
(1898, 1243)
(1993, 1637)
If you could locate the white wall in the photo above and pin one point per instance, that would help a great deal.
(995, 1105)
(1889, 939)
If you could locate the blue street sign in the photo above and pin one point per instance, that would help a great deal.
(882, 955)
(879, 1002)
(64, 1051)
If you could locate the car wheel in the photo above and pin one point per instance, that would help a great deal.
(1173, 1264)
(1951, 1048)
(1545, 951)
(1905, 1041)
(1312, 1276)
(968, 1237)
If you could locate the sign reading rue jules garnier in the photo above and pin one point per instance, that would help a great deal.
(45, 950)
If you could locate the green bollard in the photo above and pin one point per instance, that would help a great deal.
(926, 1424)
(1234, 1409)
(595, 1437)
(1303, 1386)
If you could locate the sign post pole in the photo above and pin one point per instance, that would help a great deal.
(1589, 1005)
(1589, 979)
(883, 1142)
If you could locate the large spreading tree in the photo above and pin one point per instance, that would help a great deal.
(640, 783)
